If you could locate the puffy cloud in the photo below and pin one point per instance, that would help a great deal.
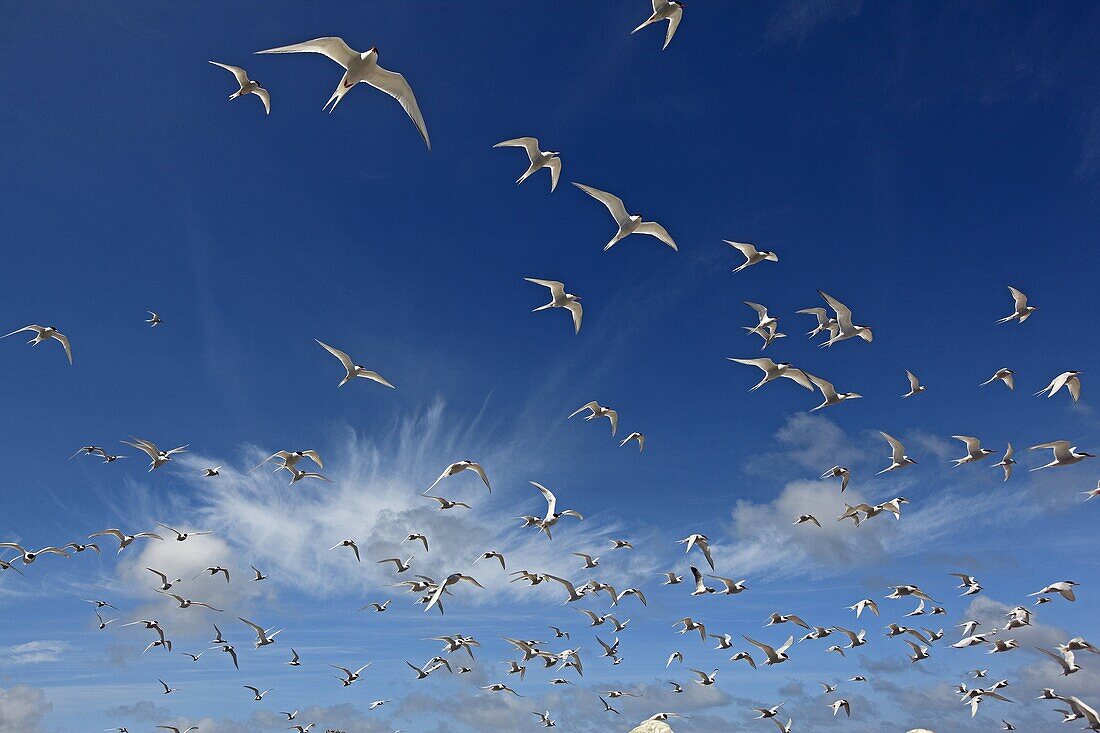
(22, 709)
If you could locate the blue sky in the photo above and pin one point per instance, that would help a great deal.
(911, 159)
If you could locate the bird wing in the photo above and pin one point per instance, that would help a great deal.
(265, 97)
(64, 340)
(763, 363)
(913, 381)
(843, 313)
(1060, 448)
(395, 85)
(897, 450)
(554, 164)
(654, 229)
(828, 391)
(1019, 300)
(557, 289)
(745, 248)
(331, 46)
(973, 445)
(613, 203)
(578, 313)
(476, 468)
(769, 651)
(673, 24)
(242, 78)
(344, 358)
(1073, 384)
(551, 500)
(530, 144)
(801, 377)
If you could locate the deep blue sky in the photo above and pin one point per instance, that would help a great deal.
(912, 159)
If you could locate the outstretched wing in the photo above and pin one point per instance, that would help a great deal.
(331, 46)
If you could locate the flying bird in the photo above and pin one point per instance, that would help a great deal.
(538, 158)
(361, 67)
(352, 369)
(628, 223)
(1021, 310)
(752, 255)
(560, 299)
(45, 333)
(247, 86)
(669, 10)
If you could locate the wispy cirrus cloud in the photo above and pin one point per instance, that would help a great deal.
(34, 652)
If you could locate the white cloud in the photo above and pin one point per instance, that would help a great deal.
(22, 709)
(34, 652)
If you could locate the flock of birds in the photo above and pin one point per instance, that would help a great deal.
(560, 658)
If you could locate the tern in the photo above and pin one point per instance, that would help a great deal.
(154, 319)
(445, 503)
(915, 387)
(181, 536)
(552, 514)
(28, 556)
(597, 411)
(1007, 462)
(500, 687)
(745, 656)
(702, 542)
(538, 158)
(974, 450)
(560, 299)
(628, 223)
(349, 676)
(157, 456)
(290, 459)
(1069, 380)
(669, 10)
(775, 656)
(804, 518)
(355, 548)
(839, 705)
(257, 695)
(167, 690)
(1066, 660)
(636, 437)
(1005, 375)
(865, 604)
(764, 321)
(264, 637)
(705, 679)
(1021, 310)
(1092, 493)
(211, 472)
(165, 584)
(459, 467)
(845, 328)
(417, 537)
(840, 472)
(187, 603)
(752, 255)
(44, 333)
(898, 459)
(399, 565)
(491, 555)
(824, 322)
(352, 369)
(361, 67)
(1063, 588)
(297, 475)
(125, 540)
(774, 371)
(247, 86)
(174, 729)
(828, 391)
(1064, 455)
